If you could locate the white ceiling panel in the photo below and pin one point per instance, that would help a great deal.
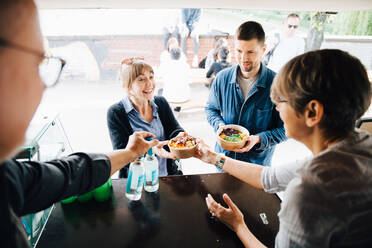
(298, 5)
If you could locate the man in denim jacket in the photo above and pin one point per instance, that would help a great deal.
(241, 95)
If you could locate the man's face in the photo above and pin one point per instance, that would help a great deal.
(291, 25)
(21, 88)
(249, 54)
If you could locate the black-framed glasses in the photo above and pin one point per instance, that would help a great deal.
(292, 26)
(50, 68)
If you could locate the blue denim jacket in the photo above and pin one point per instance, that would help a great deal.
(256, 113)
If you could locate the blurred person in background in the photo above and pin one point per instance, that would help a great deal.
(286, 45)
(175, 74)
(221, 63)
(190, 27)
(212, 55)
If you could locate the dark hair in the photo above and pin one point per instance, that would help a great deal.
(249, 31)
(175, 53)
(223, 52)
(333, 77)
(293, 15)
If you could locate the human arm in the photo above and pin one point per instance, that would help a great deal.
(210, 70)
(213, 106)
(270, 179)
(36, 185)
(246, 172)
(273, 135)
(136, 147)
(209, 60)
(234, 219)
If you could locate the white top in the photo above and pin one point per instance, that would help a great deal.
(176, 77)
(246, 84)
(287, 49)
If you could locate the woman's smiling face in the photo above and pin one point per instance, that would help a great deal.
(143, 86)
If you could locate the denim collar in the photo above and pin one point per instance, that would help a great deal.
(261, 79)
(128, 106)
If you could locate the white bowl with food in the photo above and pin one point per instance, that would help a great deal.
(183, 146)
(231, 137)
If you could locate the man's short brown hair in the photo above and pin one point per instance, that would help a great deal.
(333, 77)
(250, 30)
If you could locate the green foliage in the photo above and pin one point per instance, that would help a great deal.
(350, 23)
(342, 23)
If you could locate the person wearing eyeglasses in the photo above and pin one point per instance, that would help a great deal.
(328, 197)
(30, 186)
(139, 110)
(286, 45)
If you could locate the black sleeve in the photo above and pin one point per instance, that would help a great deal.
(211, 70)
(34, 186)
(169, 122)
(119, 131)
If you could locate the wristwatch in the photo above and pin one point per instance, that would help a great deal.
(220, 160)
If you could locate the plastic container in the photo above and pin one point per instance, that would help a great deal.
(69, 200)
(103, 192)
(85, 197)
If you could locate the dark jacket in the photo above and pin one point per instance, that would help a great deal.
(29, 187)
(120, 129)
(217, 67)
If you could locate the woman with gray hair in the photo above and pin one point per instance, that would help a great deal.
(319, 96)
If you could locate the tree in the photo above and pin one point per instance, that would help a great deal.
(315, 36)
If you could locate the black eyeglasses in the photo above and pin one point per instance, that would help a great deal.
(51, 67)
(292, 26)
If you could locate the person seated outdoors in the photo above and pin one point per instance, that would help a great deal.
(31, 186)
(175, 74)
(165, 56)
(171, 28)
(212, 55)
(190, 27)
(328, 198)
(139, 110)
(220, 64)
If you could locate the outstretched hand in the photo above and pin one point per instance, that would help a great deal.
(231, 216)
(138, 145)
(251, 141)
(162, 153)
(205, 153)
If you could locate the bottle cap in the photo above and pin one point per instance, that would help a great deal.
(150, 152)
